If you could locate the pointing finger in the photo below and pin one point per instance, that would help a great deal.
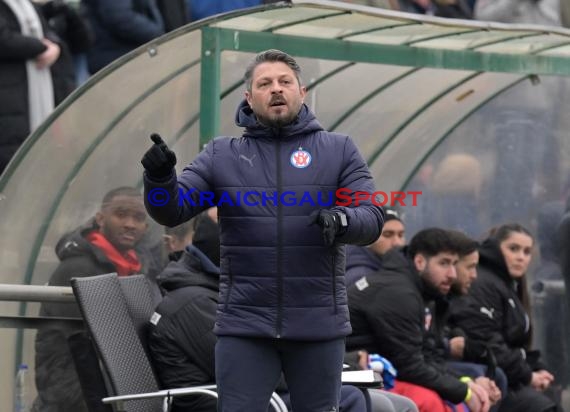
(155, 137)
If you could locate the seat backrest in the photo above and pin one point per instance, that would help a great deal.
(140, 304)
(106, 314)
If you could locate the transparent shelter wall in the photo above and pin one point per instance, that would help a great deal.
(508, 161)
(94, 145)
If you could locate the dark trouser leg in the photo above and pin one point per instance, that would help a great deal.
(247, 372)
(313, 374)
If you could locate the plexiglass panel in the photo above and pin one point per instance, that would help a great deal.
(406, 34)
(267, 20)
(469, 40)
(527, 44)
(385, 114)
(342, 89)
(482, 147)
(95, 142)
(337, 26)
(509, 161)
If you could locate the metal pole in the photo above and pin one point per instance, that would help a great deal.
(35, 293)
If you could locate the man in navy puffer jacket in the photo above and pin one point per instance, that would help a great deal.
(282, 305)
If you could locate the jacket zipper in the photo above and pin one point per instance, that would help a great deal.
(278, 326)
(334, 282)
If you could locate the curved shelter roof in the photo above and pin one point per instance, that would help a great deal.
(409, 89)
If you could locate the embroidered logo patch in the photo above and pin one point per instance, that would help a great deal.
(155, 318)
(361, 283)
(300, 158)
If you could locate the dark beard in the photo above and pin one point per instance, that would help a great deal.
(280, 121)
(276, 123)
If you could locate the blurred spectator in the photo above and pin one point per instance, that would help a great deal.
(36, 72)
(565, 13)
(105, 245)
(456, 186)
(564, 239)
(72, 26)
(419, 216)
(120, 26)
(174, 13)
(544, 12)
(550, 310)
(200, 9)
(457, 9)
(383, 4)
(522, 144)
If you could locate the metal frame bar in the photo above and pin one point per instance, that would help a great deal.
(210, 85)
(399, 55)
(35, 322)
(36, 293)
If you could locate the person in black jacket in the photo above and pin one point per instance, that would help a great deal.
(181, 339)
(459, 346)
(397, 313)
(496, 311)
(286, 196)
(105, 245)
(120, 26)
(36, 73)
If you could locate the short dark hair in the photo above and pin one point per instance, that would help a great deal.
(431, 241)
(120, 191)
(271, 55)
(465, 245)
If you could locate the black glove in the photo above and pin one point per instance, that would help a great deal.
(330, 223)
(159, 160)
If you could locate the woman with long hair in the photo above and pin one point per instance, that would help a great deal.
(497, 311)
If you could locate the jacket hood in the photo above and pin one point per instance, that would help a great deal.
(305, 122)
(491, 258)
(359, 256)
(75, 244)
(396, 259)
(192, 269)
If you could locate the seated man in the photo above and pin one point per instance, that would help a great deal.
(397, 313)
(365, 260)
(105, 245)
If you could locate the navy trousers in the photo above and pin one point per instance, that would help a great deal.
(248, 369)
